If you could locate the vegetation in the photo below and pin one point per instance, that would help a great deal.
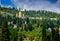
(13, 28)
(5, 31)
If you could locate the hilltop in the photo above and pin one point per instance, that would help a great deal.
(31, 13)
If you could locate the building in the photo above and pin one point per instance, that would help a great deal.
(59, 30)
(20, 14)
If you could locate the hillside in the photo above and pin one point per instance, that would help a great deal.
(25, 29)
(8, 10)
(31, 13)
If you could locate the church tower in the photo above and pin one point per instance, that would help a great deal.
(20, 14)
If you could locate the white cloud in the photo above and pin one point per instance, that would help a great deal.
(6, 6)
(37, 5)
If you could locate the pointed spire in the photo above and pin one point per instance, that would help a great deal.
(19, 9)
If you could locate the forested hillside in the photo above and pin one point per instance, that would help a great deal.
(41, 13)
(14, 28)
(31, 13)
(9, 10)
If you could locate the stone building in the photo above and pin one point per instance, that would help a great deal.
(20, 14)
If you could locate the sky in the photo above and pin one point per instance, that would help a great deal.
(50, 5)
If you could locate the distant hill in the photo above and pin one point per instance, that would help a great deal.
(9, 10)
(41, 13)
(31, 13)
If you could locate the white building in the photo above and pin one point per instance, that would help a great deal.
(59, 30)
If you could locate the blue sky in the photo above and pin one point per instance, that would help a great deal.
(50, 5)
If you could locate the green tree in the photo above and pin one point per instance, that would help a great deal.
(43, 31)
(5, 31)
(53, 31)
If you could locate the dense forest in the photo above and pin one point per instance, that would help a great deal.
(31, 13)
(13, 28)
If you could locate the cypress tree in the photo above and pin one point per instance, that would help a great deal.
(53, 31)
(0, 27)
(0, 34)
(5, 31)
(53, 34)
(57, 35)
(43, 31)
